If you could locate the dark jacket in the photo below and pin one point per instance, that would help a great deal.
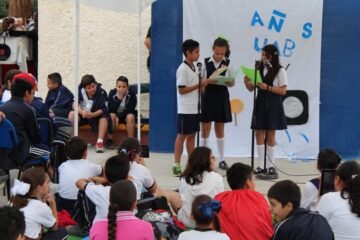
(303, 224)
(22, 116)
(130, 103)
(61, 98)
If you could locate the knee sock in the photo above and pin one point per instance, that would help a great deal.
(99, 140)
(271, 155)
(260, 150)
(204, 142)
(220, 144)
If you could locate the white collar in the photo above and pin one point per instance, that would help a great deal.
(211, 59)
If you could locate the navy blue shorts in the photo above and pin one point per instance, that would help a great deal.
(188, 123)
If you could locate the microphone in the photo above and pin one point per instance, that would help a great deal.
(268, 63)
(199, 65)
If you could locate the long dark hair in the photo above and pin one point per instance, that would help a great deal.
(122, 198)
(198, 212)
(198, 163)
(349, 173)
(34, 177)
(132, 147)
(271, 51)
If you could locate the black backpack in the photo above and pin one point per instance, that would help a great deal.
(84, 211)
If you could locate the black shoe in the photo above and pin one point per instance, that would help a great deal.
(259, 170)
(110, 144)
(272, 171)
(223, 165)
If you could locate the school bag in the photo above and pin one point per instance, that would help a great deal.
(84, 211)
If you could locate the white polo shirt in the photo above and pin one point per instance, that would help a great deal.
(100, 196)
(143, 179)
(185, 76)
(73, 170)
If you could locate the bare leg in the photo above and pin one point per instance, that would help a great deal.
(172, 197)
(190, 143)
(114, 121)
(130, 125)
(179, 142)
(103, 124)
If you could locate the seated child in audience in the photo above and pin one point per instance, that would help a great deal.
(5, 93)
(2, 116)
(97, 189)
(327, 159)
(59, 98)
(93, 109)
(77, 167)
(31, 195)
(122, 104)
(244, 213)
(204, 211)
(12, 223)
(144, 181)
(121, 222)
(198, 178)
(21, 115)
(294, 222)
(342, 208)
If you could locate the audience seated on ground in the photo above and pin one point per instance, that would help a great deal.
(244, 212)
(198, 178)
(18, 111)
(204, 211)
(12, 223)
(122, 104)
(97, 189)
(59, 98)
(2, 116)
(342, 208)
(5, 93)
(31, 195)
(77, 167)
(294, 222)
(93, 109)
(121, 222)
(144, 181)
(326, 159)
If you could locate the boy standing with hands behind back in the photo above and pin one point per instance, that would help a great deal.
(187, 82)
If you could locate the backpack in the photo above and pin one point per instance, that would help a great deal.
(84, 211)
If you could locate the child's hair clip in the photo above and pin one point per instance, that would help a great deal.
(221, 36)
(123, 150)
(209, 208)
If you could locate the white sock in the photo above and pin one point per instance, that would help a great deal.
(204, 142)
(100, 140)
(260, 150)
(220, 143)
(270, 151)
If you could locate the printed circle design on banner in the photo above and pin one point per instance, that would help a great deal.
(296, 106)
(237, 106)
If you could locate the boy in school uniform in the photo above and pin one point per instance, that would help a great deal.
(93, 109)
(69, 173)
(59, 98)
(294, 222)
(245, 212)
(187, 82)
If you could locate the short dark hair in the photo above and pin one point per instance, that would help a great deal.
(20, 87)
(76, 148)
(55, 78)
(237, 175)
(189, 45)
(9, 75)
(285, 191)
(122, 79)
(87, 80)
(328, 159)
(117, 168)
(12, 223)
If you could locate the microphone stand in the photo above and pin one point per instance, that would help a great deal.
(253, 118)
(199, 105)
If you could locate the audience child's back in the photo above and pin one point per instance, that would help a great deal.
(244, 213)
(75, 168)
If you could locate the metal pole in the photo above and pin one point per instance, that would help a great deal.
(76, 66)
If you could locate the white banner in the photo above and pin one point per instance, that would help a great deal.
(295, 28)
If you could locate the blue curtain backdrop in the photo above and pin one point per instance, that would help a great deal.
(340, 76)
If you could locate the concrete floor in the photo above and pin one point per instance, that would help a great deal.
(160, 166)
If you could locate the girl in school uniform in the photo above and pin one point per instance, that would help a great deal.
(215, 105)
(204, 211)
(31, 195)
(269, 114)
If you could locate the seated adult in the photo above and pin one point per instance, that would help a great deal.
(244, 213)
(22, 116)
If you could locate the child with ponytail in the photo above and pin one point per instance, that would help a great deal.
(342, 208)
(31, 195)
(204, 211)
(121, 222)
